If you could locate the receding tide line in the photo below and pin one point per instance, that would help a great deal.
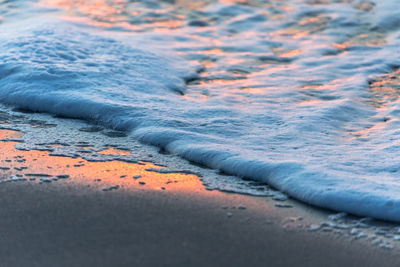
(40, 167)
(82, 85)
(356, 196)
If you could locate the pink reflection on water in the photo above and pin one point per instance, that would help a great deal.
(93, 12)
(114, 14)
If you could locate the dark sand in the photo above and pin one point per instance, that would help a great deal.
(73, 222)
(53, 225)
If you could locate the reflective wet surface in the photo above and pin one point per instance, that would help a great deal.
(288, 93)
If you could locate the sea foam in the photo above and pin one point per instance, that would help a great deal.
(284, 97)
(66, 71)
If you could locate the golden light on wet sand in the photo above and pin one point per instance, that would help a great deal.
(39, 166)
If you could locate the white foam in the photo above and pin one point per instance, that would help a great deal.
(300, 123)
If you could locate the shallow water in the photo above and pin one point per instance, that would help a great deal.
(302, 95)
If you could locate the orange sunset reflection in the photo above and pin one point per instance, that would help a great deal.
(114, 151)
(120, 14)
(305, 26)
(95, 12)
(367, 131)
(40, 167)
(385, 89)
(370, 38)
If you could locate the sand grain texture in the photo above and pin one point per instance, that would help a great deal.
(55, 225)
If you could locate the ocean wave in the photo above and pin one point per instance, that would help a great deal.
(287, 96)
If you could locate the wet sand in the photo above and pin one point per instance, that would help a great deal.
(53, 225)
(152, 220)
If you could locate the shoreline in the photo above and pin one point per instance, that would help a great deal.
(155, 219)
(74, 225)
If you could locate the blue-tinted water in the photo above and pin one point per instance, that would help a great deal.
(291, 93)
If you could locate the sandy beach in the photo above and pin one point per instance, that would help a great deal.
(133, 217)
(200, 133)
